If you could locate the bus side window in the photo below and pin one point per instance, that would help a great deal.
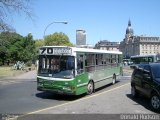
(150, 59)
(80, 64)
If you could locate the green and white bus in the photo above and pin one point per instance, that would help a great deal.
(137, 59)
(74, 71)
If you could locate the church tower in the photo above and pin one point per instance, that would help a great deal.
(129, 32)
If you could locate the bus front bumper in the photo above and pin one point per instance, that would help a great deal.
(56, 91)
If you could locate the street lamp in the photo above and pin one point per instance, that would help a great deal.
(63, 22)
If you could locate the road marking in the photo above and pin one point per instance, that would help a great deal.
(63, 104)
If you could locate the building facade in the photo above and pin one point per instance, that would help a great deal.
(80, 37)
(107, 45)
(138, 45)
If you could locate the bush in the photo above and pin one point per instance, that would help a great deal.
(29, 64)
(1, 62)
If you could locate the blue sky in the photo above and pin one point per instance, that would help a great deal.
(102, 19)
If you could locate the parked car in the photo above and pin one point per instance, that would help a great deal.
(145, 80)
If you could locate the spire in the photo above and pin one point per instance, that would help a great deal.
(129, 30)
(129, 22)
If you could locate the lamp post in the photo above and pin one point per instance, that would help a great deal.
(63, 22)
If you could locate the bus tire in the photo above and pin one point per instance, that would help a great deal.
(114, 79)
(90, 88)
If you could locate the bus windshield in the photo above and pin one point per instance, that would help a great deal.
(56, 66)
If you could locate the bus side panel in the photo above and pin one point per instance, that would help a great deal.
(104, 77)
(82, 82)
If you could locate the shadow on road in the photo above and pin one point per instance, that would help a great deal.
(141, 100)
(103, 87)
(48, 95)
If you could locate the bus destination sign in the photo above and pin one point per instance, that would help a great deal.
(55, 51)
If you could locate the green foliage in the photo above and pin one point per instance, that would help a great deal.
(6, 40)
(39, 43)
(29, 63)
(29, 48)
(57, 39)
(14, 47)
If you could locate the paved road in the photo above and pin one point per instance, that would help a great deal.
(28, 76)
(111, 101)
(21, 97)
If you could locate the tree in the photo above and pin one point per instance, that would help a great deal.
(6, 40)
(3, 49)
(10, 7)
(29, 48)
(15, 47)
(39, 43)
(57, 39)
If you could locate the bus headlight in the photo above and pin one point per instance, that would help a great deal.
(40, 80)
(66, 83)
(66, 88)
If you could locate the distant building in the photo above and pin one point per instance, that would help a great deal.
(138, 45)
(80, 37)
(86, 46)
(107, 45)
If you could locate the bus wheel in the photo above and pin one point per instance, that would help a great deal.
(114, 79)
(90, 88)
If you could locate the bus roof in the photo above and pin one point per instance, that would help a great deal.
(95, 51)
(138, 56)
(85, 50)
